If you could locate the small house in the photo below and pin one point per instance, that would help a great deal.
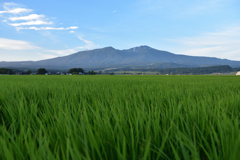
(238, 73)
(19, 73)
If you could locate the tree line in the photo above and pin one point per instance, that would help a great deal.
(6, 71)
(194, 71)
(71, 70)
(42, 71)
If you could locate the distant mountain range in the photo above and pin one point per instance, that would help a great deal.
(109, 57)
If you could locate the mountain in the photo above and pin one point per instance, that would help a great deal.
(108, 57)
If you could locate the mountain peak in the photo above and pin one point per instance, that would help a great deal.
(144, 46)
(140, 48)
(109, 48)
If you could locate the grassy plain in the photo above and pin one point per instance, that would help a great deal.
(119, 117)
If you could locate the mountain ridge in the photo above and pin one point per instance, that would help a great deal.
(109, 57)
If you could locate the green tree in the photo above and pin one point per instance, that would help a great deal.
(29, 72)
(93, 73)
(5, 71)
(75, 73)
(42, 71)
(76, 70)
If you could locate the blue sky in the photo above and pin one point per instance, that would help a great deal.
(36, 30)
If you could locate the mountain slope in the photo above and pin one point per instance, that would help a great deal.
(109, 57)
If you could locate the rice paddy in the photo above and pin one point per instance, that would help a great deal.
(119, 117)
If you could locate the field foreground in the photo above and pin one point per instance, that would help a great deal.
(119, 117)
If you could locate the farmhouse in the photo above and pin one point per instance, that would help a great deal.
(238, 73)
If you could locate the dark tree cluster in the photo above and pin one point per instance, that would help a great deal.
(194, 71)
(92, 72)
(199, 70)
(42, 71)
(5, 71)
(29, 72)
(75, 70)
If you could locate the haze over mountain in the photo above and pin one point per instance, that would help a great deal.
(109, 57)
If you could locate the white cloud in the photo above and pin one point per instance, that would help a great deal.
(17, 11)
(9, 4)
(38, 22)
(72, 27)
(71, 31)
(204, 6)
(182, 8)
(30, 20)
(64, 52)
(12, 9)
(89, 45)
(47, 56)
(27, 18)
(84, 40)
(3, 12)
(45, 28)
(220, 44)
(10, 44)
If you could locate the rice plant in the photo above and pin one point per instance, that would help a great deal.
(119, 117)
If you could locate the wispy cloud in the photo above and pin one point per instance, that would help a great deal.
(27, 18)
(10, 44)
(24, 46)
(221, 44)
(181, 8)
(47, 56)
(30, 23)
(14, 8)
(9, 4)
(16, 11)
(32, 20)
(64, 52)
(84, 40)
(88, 45)
(203, 6)
(47, 28)
(72, 27)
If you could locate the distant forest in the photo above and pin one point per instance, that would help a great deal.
(174, 71)
(194, 71)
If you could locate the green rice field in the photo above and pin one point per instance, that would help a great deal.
(119, 117)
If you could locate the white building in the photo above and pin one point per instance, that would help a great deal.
(238, 73)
